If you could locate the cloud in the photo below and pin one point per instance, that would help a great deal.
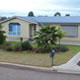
(39, 7)
(66, 3)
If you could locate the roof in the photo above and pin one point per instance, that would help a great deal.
(15, 17)
(54, 19)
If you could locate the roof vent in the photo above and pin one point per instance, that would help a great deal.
(67, 15)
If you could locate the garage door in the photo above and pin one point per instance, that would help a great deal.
(72, 30)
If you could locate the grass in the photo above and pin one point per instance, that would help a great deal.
(38, 59)
(61, 58)
(25, 58)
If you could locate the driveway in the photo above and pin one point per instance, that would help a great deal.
(16, 73)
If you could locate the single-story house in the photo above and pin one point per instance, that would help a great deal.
(20, 27)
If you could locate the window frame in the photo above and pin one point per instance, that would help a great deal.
(14, 26)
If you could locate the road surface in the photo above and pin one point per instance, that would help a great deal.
(15, 73)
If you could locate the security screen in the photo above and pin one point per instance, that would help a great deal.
(72, 30)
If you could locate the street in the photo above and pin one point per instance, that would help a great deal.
(15, 73)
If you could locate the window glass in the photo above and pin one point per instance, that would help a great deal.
(72, 30)
(34, 29)
(14, 29)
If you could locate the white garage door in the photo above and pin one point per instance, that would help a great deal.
(72, 30)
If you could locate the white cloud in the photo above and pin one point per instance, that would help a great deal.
(39, 7)
(22, 5)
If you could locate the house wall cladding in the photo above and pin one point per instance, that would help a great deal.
(73, 37)
(24, 29)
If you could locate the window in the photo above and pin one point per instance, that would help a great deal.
(34, 29)
(14, 29)
(72, 30)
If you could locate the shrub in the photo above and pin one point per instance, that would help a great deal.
(17, 47)
(43, 50)
(26, 46)
(5, 45)
(0, 47)
(2, 35)
(10, 46)
(61, 48)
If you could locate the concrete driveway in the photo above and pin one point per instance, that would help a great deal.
(16, 73)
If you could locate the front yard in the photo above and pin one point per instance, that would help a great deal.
(38, 59)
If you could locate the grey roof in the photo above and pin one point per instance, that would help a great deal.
(54, 19)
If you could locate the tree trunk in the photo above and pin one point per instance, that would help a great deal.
(59, 43)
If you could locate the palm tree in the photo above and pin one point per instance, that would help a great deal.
(47, 36)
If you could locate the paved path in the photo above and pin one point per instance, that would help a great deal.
(16, 73)
(72, 65)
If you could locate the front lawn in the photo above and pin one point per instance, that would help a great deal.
(38, 59)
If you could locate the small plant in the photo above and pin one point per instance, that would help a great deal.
(26, 46)
(61, 49)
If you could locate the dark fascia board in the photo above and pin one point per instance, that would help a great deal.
(57, 23)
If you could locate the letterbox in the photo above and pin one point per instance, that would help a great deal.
(52, 53)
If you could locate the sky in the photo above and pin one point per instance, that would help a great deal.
(39, 7)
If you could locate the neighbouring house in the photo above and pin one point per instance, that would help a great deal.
(19, 27)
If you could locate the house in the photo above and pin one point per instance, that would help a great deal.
(20, 27)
